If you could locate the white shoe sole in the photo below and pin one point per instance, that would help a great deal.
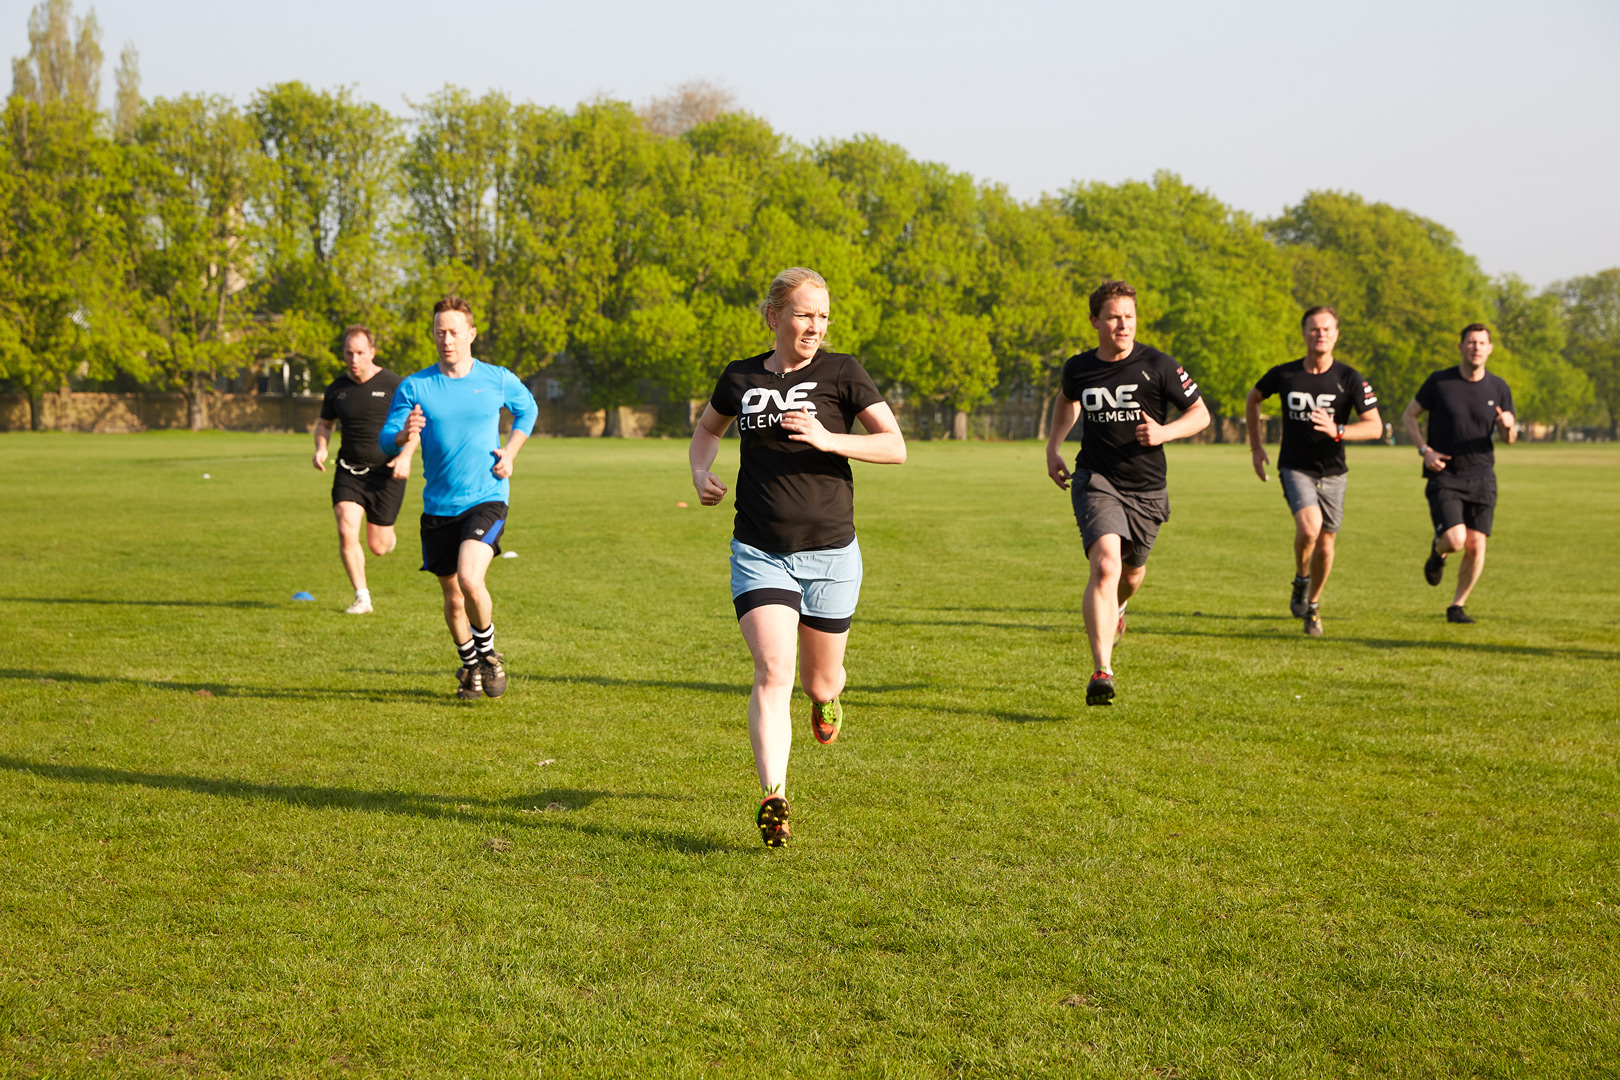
(357, 608)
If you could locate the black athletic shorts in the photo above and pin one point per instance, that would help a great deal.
(375, 489)
(1461, 500)
(442, 536)
(1134, 516)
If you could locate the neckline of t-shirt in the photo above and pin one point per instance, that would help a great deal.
(763, 357)
(438, 370)
(1138, 351)
(1307, 371)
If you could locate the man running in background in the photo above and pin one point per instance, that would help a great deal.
(455, 408)
(1464, 404)
(369, 484)
(1318, 395)
(1126, 390)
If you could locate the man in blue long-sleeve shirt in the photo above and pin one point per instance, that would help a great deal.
(455, 407)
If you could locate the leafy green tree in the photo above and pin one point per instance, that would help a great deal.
(588, 212)
(1212, 291)
(127, 97)
(1594, 335)
(1547, 388)
(62, 191)
(63, 65)
(925, 260)
(751, 204)
(457, 173)
(1038, 274)
(199, 169)
(1402, 285)
(325, 212)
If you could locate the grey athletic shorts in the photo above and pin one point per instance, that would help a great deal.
(1302, 489)
(1134, 516)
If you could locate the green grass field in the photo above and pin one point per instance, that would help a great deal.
(248, 836)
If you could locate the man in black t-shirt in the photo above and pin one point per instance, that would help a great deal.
(368, 485)
(1465, 404)
(1318, 396)
(1125, 391)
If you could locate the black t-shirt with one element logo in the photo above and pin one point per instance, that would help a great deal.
(1337, 391)
(1113, 396)
(791, 496)
(1461, 416)
(360, 409)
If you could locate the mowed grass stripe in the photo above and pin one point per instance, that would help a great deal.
(1388, 852)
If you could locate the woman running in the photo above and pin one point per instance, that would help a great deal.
(795, 564)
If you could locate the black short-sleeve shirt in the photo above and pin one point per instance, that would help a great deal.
(1113, 396)
(1338, 390)
(791, 496)
(1461, 415)
(360, 409)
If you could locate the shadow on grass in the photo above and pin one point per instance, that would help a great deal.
(1044, 628)
(1545, 652)
(529, 810)
(739, 687)
(107, 602)
(854, 698)
(230, 690)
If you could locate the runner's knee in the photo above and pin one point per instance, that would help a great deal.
(822, 685)
(470, 582)
(1105, 562)
(773, 672)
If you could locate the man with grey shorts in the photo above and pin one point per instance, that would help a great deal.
(1125, 390)
(1319, 394)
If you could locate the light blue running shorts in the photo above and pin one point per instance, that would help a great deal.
(822, 586)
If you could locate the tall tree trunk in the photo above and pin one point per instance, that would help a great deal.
(1042, 426)
(196, 407)
(959, 425)
(36, 411)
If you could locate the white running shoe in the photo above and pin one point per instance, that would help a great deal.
(359, 607)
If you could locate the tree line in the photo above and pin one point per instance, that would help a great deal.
(177, 242)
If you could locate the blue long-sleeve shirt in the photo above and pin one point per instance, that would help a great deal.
(462, 434)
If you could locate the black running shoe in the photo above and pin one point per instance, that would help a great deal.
(470, 687)
(1313, 623)
(1100, 690)
(492, 672)
(1297, 604)
(773, 821)
(1434, 566)
(1455, 613)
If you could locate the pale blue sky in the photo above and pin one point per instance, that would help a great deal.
(1496, 118)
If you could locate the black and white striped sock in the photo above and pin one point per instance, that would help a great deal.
(469, 651)
(484, 640)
